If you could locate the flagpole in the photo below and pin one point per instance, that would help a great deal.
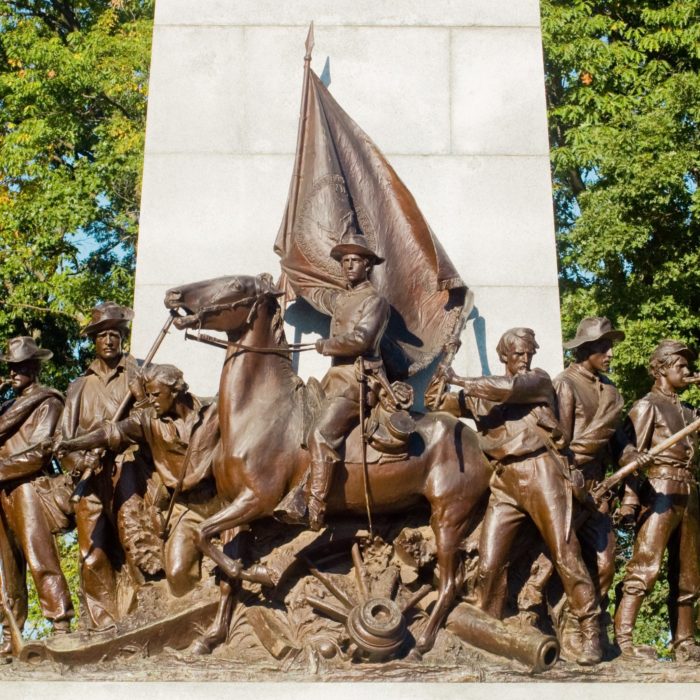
(294, 193)
(296, 175)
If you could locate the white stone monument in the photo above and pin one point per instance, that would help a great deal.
(452, 91)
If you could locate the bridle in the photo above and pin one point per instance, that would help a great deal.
(254, 300)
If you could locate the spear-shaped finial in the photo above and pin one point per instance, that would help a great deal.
(309, 42)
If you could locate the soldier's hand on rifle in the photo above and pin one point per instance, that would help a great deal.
(645, 460)
(137, 389)
(58, 445)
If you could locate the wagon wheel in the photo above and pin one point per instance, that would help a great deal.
(374, 614)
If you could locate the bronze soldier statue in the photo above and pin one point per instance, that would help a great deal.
(359, 319)
(182, 433)
(669, 517)
(516, 418)
(90, 400)
(27, 422)
(590, 414)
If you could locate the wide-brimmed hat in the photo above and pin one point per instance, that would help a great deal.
(353, 243)
(671, 347)
(592, 329)
(24, 348)
(108, 315)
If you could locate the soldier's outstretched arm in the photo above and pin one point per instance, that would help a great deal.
(532, 387)
(89, 441)
(113, 436)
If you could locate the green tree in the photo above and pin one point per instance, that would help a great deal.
(73, 88)
(623, 93)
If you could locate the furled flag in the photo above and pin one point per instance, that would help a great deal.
(341, 179)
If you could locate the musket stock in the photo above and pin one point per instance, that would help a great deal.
(16, 639)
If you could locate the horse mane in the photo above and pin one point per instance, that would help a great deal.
(280, 339)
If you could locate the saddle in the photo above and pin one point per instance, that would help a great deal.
(387, 427)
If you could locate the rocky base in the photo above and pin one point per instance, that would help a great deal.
(451, 661)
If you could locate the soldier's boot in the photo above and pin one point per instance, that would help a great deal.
(590, 652)
(292, 508)
(319, 486)
(684, 647)
(625, 617)
(570, 638)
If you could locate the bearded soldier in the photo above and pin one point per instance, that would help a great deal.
(519, 432)
(26, 423)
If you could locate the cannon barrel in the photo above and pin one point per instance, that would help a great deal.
(537, 651)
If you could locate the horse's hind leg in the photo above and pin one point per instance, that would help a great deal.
(447, 538)
(218, 630)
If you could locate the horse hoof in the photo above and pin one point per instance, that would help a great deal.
(202, 647)
(414, 655)
(424, 644)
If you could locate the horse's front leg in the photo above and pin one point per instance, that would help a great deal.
(244, 509)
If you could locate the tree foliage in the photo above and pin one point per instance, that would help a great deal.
(73, 87)
(623, 93)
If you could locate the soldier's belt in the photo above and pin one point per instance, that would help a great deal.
(498, 465)
(681, 474)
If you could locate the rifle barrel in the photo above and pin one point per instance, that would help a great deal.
(632, 467)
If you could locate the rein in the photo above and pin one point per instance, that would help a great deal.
(217, 342)
(255, 301)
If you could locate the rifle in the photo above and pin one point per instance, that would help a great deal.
(452, 345)
(81, 486)
(16, 640)
(365, 472)
(165, 530)
(600, 491)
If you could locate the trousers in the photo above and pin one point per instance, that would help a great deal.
(533, 488)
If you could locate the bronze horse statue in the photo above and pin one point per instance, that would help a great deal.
(262, 458)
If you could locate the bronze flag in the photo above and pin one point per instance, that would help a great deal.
(342, 179)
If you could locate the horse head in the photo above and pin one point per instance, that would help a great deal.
(222, 304)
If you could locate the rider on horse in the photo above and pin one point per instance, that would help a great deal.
(359, 319)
